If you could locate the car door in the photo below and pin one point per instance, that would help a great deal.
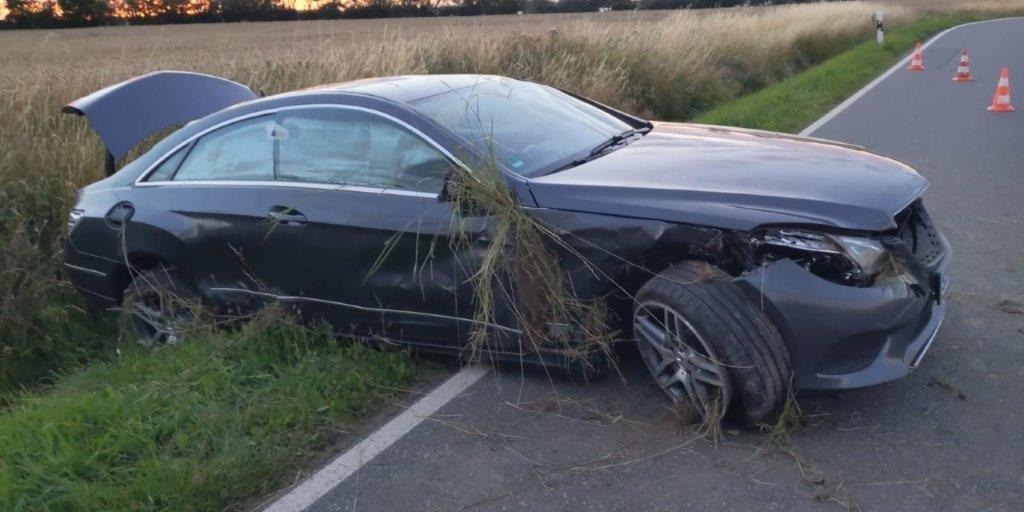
(213, 196)
(377, 253)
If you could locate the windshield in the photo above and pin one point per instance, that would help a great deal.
(529, 127)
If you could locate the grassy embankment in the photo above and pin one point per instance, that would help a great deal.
(795, 103)
(211, 423)
(205, 425)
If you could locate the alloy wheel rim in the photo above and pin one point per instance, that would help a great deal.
(682, 362)
(155, 321)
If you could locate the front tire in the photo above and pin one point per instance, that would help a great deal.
(708, 346)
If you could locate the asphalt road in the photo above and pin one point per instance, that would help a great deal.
(948, 437)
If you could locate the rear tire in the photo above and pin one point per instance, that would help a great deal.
(158, 307)
(722, 353)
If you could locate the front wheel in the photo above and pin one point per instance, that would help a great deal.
(708, 347)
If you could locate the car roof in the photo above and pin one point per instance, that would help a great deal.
(407, 88)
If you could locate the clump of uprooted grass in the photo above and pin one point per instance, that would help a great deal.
(521, 271)
(204, 425)
(791, 419)
(667, 66)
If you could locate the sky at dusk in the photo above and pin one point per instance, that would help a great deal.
(299, 4)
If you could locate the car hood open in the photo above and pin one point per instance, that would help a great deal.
(736, 179)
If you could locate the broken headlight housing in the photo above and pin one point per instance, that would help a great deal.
(848, 260)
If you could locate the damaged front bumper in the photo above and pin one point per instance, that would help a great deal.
(842, 337)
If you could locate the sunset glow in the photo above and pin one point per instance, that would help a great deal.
(300, 5)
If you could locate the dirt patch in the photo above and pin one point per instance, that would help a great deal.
(948, 387)
(1009, 306)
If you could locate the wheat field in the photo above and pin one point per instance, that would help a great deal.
(662, 64)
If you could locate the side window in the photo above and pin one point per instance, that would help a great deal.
(167, 168)
(352, 147)
(240, 151)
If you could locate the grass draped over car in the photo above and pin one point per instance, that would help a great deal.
(205, 425)
(521, 269)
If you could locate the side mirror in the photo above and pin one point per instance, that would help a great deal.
(447, 194)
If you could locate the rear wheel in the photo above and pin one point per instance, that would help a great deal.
(158, 307)
(707, 345)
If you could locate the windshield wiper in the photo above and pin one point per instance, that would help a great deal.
(600, 149)
(612, 141)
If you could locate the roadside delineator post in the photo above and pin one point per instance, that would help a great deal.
(917, 61)
(963, 72)
(1001, 99)
(878, 18)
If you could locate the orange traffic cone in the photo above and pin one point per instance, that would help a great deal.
(963, 72)
(917, 61)
(1001, 99)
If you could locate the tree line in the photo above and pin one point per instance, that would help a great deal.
(80, 13)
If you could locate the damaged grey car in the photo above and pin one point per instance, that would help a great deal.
(741, 262)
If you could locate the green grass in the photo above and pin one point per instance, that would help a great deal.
(63, 337)
(795, 103)
(206, 425)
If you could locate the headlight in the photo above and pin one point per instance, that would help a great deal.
(844, 259)
(867, 253)
(801, 240)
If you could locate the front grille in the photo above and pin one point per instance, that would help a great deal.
(918, 232)
(853, 354)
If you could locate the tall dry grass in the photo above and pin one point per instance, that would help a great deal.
(666, 65)
(955, 5)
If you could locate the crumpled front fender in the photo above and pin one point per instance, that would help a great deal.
(842, 336)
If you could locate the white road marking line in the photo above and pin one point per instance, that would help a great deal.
(328, 477)
(898, 66)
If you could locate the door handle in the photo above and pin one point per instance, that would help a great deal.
(286, 215)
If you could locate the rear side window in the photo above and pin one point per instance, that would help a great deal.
(240, 151)
(166, 170)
